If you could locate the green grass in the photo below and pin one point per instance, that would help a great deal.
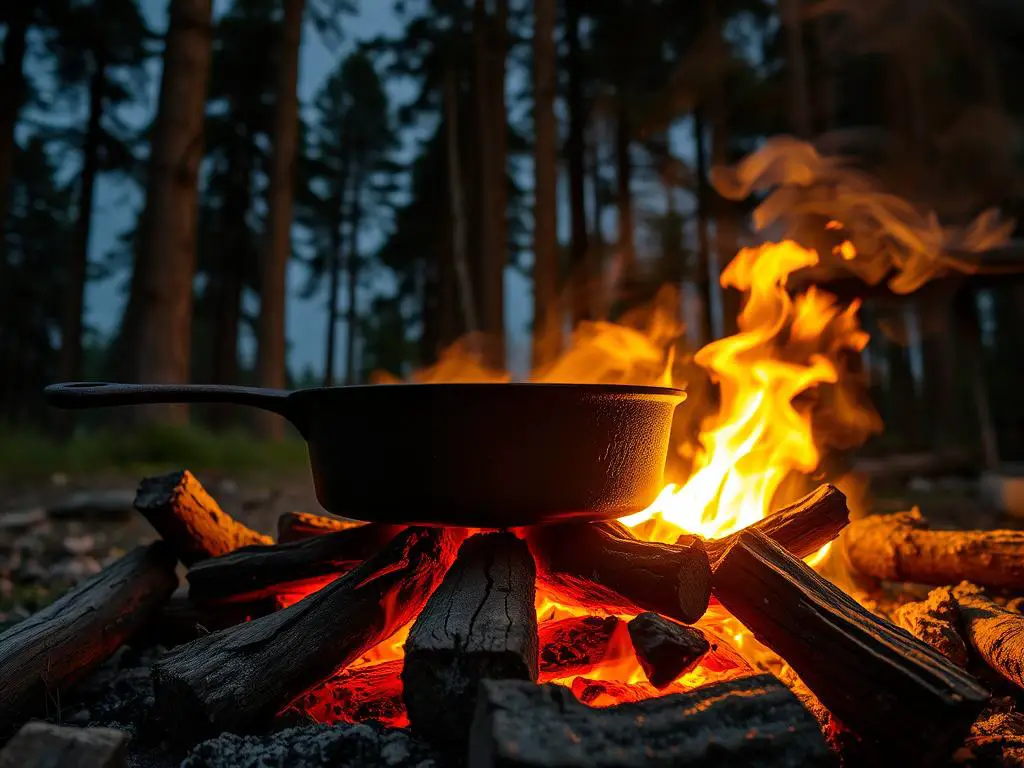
(30, 455)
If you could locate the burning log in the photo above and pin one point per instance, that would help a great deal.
(42, 745)
(608, 693)
(188, 518)
(481, 623)
(251, 573)
(801, 529)
(996, 634)
(753, 721)
(577, 645)
(935, 622)
(666, 649)
(295, 526)
(901, 548)
(237, 679)
(602, 565)
(371, 692)
(886, 685)
(42, 655)
(997, 737)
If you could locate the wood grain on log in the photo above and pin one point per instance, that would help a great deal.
(935, 621)
(481, 623)
(251, 573)
(579, 644)
(295, 526)
(45, 653)
(901, 548)
(603, 566)
(189, 520)
(755, 721)
(996, 634)
(879, 680)
(239, 678)
(666, 650)
(43, 745)
(801, 529)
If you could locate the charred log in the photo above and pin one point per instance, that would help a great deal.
(755, 721)
(666, 650)
(295, 526)
(239, 678)
(801, 529)
(578, 645)
(252, 573)
(188, 518)
(370, 692)
(996, 634)
(883, 683)
(45, 653)
(180, 620)
(481, 623)
(997, 737)
(603, 566)
(935, 622)
(901, 548)
(43, 745)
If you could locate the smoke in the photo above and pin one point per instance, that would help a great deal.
(887, 237)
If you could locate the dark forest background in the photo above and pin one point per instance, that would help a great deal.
(556, 138)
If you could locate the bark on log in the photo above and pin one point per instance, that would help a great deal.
(801, 529)
(296, 526)
(935, 621)
(42, 655)
(370, 692)
(603, 566)
(996, 634)
(43, 745)
(481, 623)
(188, 518)
(252, 573)
(755, 721)
(886, 685)
(901, 548)
(239, 678)
(666, 650)
(578, 645)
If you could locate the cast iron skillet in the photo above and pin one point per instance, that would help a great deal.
(475, 455)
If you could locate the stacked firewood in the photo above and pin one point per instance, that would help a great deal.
(264, 629)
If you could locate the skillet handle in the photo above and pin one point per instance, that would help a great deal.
(87, 394)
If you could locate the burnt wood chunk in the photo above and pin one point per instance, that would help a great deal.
(251, 573)
(188, 518)
(295, 526)
(801, 529)
(752, 722)
(358, 694)
(666, 649)
(603, 566)
(481, 623)
(884, 684)
(935, 621)
(44, 654)
(577, 645)
(237, 679)
(180, 620)
(43, 745)
(996, 634)
(901, 548)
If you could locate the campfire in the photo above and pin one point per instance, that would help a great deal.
(715, 625)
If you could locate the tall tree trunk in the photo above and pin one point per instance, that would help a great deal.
(796, 62)
(623, 178)
(334, 264)
(464, 278)
(352, 322)
(600, 299)
(12, 96)
(547, 325)
(74, 301)
(702, 273)
(579, 274)
(277, 246)
(494, 290)
(158, 320)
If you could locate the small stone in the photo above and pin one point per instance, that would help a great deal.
(22, 519)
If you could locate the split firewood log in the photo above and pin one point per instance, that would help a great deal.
(996, 634)
(900, 547)
(189, 520)
(47, 652)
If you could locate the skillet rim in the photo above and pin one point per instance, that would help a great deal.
(583, 389)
